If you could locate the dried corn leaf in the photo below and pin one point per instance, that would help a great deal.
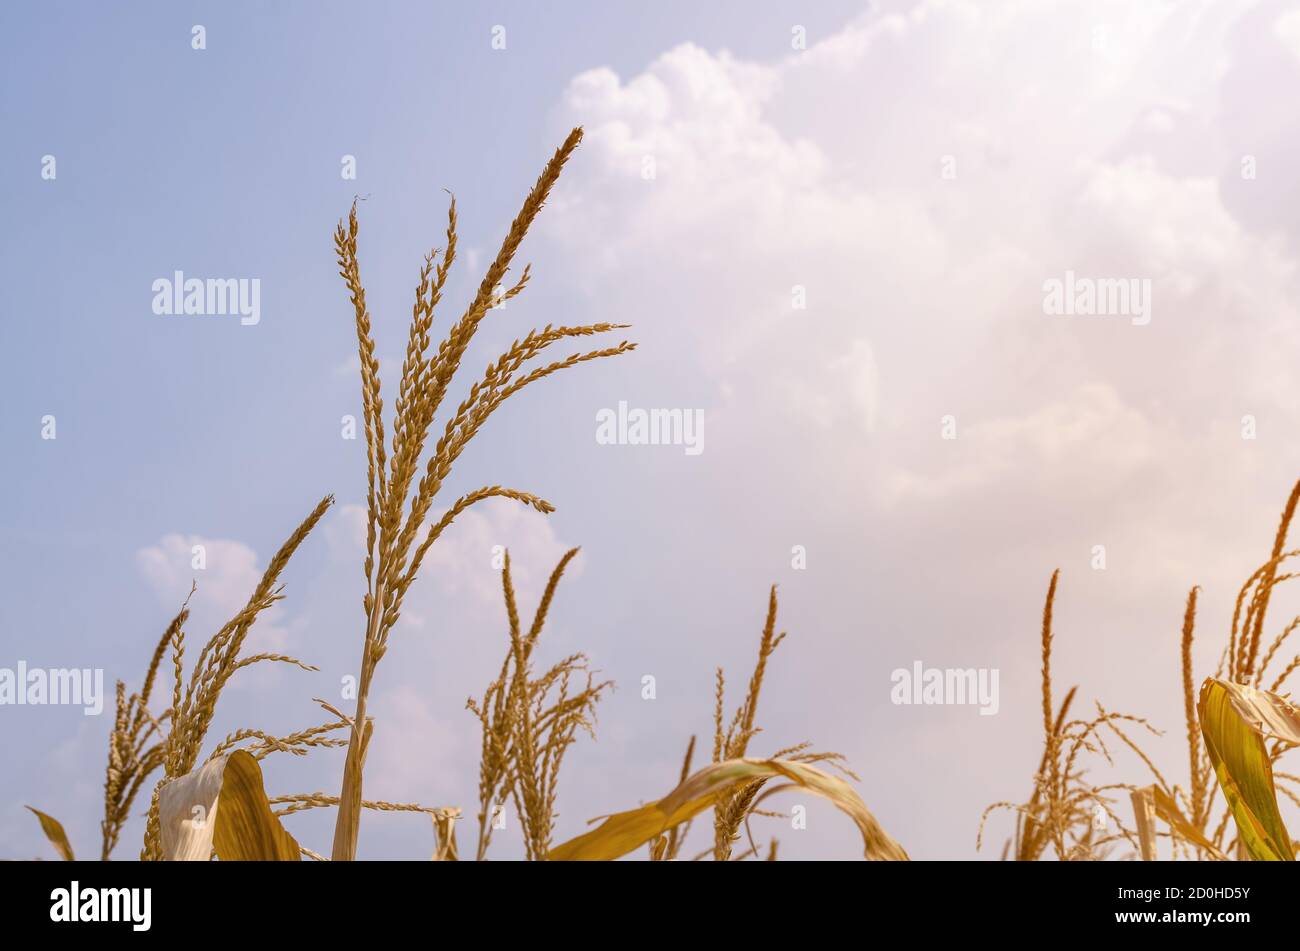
(1232, 720)
(222, 806)
(1167, 809)
(1267, 713)
(622, 832)
(53, 830)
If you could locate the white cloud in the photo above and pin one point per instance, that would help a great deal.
(1287, 30)
(418, 753)
(823, 170)
(1051, 443)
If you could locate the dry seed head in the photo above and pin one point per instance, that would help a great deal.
(528, 724)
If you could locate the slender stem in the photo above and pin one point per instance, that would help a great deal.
(349, 814)
(484, 834)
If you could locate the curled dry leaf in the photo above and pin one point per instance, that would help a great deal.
(53, 830)
(1234, 719)
(1266, 713)
(622, 832)
(222, 806)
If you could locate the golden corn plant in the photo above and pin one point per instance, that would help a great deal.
(137, 748)
(1063, 814)
(396, 516)
(1236, 731)
(528, 724)
(1223, 736)
(1236, 720)
(136, 745)
(732, 743)
(398, 504)
(194, 699)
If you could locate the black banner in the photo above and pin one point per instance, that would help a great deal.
(935, 899)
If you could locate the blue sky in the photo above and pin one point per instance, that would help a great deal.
(1094, 139)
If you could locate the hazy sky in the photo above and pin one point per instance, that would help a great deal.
(912, 177)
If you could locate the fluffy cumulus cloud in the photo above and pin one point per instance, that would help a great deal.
(850, 243)
(868, 226)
